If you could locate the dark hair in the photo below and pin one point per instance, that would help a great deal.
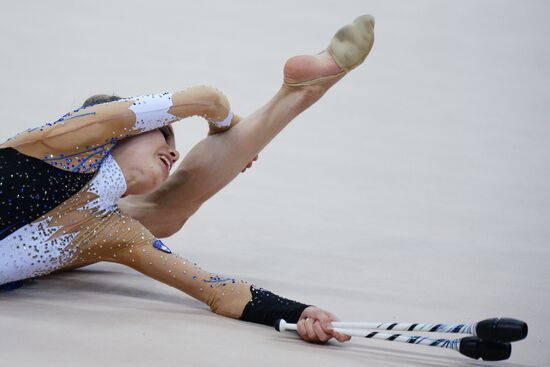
(98, 99)
(166, 131)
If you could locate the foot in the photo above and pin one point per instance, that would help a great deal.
(305, 70)
(348, 49)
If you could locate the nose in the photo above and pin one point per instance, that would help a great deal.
(174, 154)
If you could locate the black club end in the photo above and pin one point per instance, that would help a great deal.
(502, 330)
(476, 348)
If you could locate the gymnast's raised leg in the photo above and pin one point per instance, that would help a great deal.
(218, 159)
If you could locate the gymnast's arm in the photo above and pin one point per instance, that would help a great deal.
(104, 124)
(225, 296)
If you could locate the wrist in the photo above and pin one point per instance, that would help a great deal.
(266, 307)
(216, 127)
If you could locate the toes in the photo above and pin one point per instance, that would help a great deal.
(365, 19)
(352, 43)
(366, 25)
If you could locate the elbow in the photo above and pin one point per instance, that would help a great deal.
(217, 98)
(218, 105)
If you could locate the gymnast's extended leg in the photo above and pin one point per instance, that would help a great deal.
(218, 159)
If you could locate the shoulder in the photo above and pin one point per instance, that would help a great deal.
(113, 235)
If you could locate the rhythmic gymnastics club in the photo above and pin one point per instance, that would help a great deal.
(495, 329)
(471, 346)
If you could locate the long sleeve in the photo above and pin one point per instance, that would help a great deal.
(226, 296)
(81, 138)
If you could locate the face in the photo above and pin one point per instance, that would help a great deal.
(146, 160)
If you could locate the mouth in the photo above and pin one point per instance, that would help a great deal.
(167, 163)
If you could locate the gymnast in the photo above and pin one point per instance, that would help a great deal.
(95, 185)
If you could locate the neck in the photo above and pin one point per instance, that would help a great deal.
(129, 177)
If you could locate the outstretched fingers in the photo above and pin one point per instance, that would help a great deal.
(250, 163)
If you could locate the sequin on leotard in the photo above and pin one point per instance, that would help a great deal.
(30, 188)
(59, 184)
(59, 189)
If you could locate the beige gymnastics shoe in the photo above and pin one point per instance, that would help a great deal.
(347, 49)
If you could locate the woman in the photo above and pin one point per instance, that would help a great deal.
(96, 185)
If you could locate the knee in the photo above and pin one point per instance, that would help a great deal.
(170, 227)
(164, 231)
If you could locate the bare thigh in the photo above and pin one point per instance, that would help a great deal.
(214, 162)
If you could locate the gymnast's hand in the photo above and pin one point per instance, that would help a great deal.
(250, 163)
(314, 326)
